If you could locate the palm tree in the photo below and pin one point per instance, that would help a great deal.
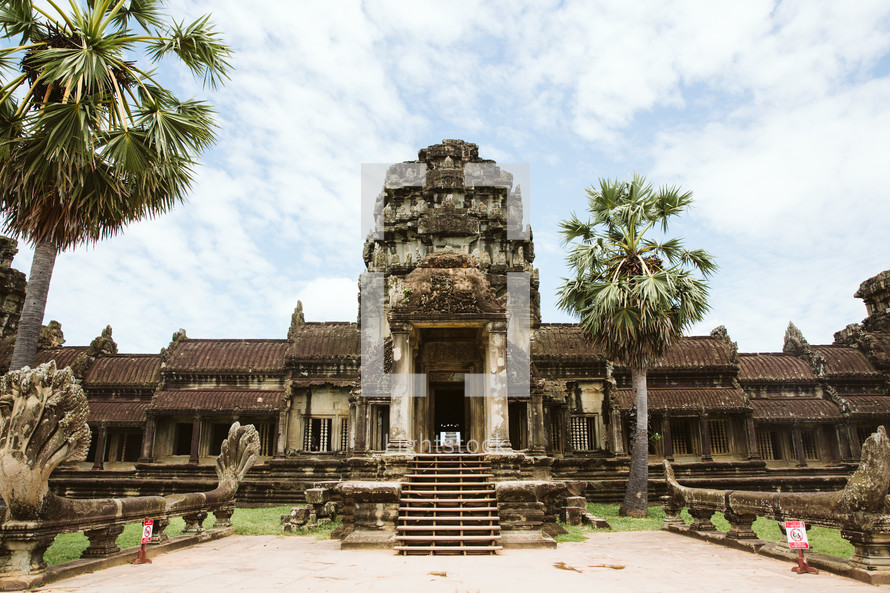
(89, 141)
(634, 293)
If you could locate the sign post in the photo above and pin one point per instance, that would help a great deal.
(796, 532)
(147, 527)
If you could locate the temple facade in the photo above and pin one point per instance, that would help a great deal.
(449, 350)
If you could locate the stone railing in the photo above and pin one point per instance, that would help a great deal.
(43, 415)
(861, 510)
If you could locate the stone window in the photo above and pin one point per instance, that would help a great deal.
(810, 450)
(266, 431)
(584, 433)
(770, 443)
(317, 435)
(379, 427)
(518, 421)
(219, 431)
(719, 436)
(344, 434)
(681, 435)
(182, 438)
(123, 444)
(555, 434)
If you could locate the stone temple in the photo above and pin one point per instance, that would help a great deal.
(330, 406)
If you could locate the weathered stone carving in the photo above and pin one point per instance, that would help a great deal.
(297, 320)
(51, 336)
(43, 422)
(103, 345)
(43, 415)
(861, 510)
(721, 333)
(178, 337)
(797, 345)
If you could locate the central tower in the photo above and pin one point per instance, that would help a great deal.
(448, 240)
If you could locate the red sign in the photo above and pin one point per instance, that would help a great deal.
(146, 531)
(796, 532)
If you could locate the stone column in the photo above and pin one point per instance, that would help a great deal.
(565, 418)
(797, 438)
(753, 447)
(281, 443)
(196, 439)
(618, 433)
(497, 432)
(401, 405)
(359, 427)
(855, 447)
(537, 441)
(667, 440)
(148, 439)
(705, 432)
(99, 460)
(843, 442)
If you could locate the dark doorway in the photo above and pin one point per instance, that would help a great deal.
(450, 415)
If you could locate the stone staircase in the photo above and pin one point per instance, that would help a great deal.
(448, 506)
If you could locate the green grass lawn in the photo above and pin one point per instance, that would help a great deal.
(259, 521)
(822, 540)
(266, 521)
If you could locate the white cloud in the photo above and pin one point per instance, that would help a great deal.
(767, 110)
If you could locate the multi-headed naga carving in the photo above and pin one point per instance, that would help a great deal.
(43, 423)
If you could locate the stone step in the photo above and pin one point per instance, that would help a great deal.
(459, 550)
(449, 509)
(447, 538)
(470, 501)
(448, 528)
(448, 506)
(439, 519)
(414, 485)
(449, 475)
(426, 458)
(438, 492)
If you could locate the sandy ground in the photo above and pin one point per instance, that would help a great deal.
(643, 561)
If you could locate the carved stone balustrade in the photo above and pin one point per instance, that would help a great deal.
(861, 510)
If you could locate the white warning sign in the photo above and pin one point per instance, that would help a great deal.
(796, 532)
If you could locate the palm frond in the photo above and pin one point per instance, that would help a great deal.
(634, 294)
(199, 47)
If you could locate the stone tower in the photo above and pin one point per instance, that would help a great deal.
(12, 288)
(444, 340)
(451, 201)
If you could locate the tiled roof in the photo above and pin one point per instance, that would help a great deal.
(335, 340)
(774, 367)
(795, 408)
(64, 356)
(190, 400)
(562, 340)
(118, 412)
(324, 382)
(228, 356)
(862, 406)
(691, 399)
(697, 352)
(139, 370)
(845, 362)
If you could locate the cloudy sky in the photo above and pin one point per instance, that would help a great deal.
(775, 114)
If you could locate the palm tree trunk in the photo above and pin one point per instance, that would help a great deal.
(636, 498)
(35, 304)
